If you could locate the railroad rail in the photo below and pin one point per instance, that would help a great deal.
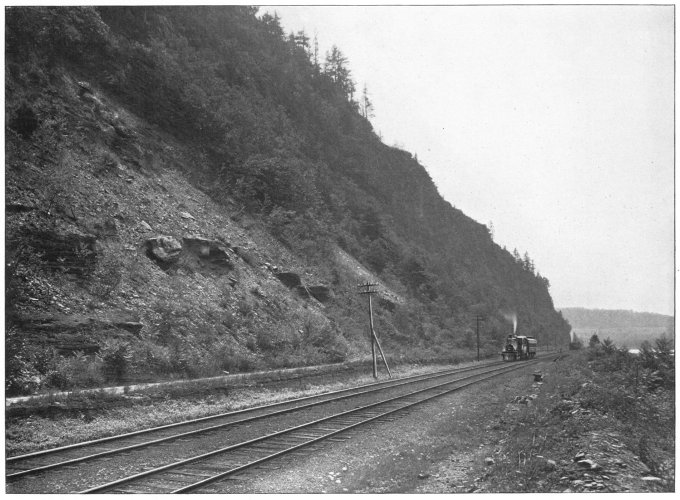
(20, 465)
(311, 419)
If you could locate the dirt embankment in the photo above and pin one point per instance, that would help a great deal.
(552, 436)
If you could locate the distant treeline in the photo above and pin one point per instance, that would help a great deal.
(631, 338)
(582, 318)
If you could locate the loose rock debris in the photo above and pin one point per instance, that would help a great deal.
(604, 462)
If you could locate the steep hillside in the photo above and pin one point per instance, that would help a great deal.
(190, 191)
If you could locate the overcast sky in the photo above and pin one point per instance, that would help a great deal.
(555, 123)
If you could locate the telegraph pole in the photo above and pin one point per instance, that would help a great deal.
(479, 318)
(374, 338)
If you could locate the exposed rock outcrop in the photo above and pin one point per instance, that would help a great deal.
(75, 332)
(291, 280)
(71, 251)
(320, 292)
(206, 253)
(165, 250)
(193, 253)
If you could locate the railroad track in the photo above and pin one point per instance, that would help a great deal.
(237, 440)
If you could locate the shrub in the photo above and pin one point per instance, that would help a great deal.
(21, 376)
(24, 121)
(245, 307)
(652, 369)
(267, 182)
(107, 276)
(174, 314)
(278, 220)
(301, 232)
(150, 358)
(188, 359)
(608, 400)
(274, 340)
(229, 321)
(115, 356)
(608, 346)
(659, 362)
(327, 340)
(594, 340)
(222, 357)
(69, 372)
(251, 344)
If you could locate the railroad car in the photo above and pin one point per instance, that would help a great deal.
(519, 347)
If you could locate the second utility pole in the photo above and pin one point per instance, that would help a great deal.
(374, 338)
(479, 318)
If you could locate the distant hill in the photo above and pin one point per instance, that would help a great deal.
(580, 317)
(628, 328)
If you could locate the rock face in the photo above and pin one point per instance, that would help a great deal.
(209, 251)
(589, 464)
(291, 280)
(165, 250)
(102, 227)
(247, 256)
(74, 332)
(72, 252)
(205, 253)
(194, 253)
(320, 292)
(386, 304)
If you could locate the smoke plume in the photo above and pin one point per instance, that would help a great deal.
(512, 317)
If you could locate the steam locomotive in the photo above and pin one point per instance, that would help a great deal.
(519, 347)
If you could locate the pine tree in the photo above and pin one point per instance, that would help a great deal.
(516, 256)
(273, 24)
(336, 68)
(315, 54)
(302, 40)
(366, 106)
(594, 340)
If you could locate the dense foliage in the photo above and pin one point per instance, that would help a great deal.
(282, 132)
